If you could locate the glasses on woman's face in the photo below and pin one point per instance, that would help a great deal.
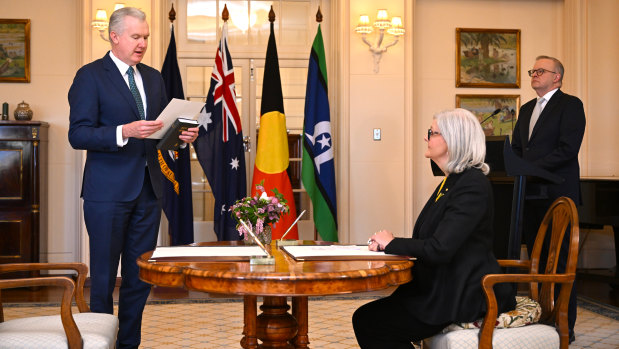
(539, 71)
(430, 133)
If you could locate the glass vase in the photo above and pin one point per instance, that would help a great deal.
(264, 237)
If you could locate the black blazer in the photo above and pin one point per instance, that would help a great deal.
(100, 100)
(554, 144)
(452, 240)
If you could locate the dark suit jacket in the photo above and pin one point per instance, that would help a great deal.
(452, 240)
(100, 100)
(554, 144)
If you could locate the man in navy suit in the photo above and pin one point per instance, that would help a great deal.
(114, 103)
(548, 134)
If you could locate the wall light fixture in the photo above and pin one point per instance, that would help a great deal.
(382, 24)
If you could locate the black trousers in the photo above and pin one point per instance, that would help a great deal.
(126, 229)
(534, 211)
(385, 323)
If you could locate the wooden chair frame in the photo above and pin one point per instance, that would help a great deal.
(561, 214)
(70, 290)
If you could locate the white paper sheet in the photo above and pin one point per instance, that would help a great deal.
(331, 251)
(207, 251)
(177, 108)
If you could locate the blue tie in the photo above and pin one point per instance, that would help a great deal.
(136, 94)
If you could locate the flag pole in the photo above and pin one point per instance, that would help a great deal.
(318, 20)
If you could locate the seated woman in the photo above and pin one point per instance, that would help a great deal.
(452, 241)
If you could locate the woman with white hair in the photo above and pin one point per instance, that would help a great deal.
(452, 241)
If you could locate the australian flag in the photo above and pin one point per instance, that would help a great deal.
(175, 166)
(219, 145)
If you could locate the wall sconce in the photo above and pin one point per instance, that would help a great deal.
(101, 21)
(382, 23)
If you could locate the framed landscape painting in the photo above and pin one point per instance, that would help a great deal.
(14, 50)
(504, 108)
(487, 57)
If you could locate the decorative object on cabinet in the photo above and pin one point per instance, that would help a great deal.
(496, 113)
(23, 190)
(487, 57)
(23, 112)
(14, 50)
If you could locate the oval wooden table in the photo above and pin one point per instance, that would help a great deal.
(275, 326)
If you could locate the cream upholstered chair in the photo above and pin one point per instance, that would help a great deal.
(67, 330)
(552, 329)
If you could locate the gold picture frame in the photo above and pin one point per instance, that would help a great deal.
(14, 50)
(496, 113)
(488, 58)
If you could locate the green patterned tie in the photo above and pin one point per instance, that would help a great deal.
(134, 91)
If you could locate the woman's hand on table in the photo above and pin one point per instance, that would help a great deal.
(380, 240)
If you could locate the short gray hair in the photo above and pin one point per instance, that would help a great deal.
(558, 66)
(466, 141)
(117, 19)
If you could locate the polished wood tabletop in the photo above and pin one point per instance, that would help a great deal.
(275, 327)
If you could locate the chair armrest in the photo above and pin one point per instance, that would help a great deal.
(74, 337)
(488, 282)
(522, 264)
(80, 268)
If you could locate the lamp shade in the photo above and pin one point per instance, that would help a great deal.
(100, 22)
(382, 20)
(396, 28)
(101, 15)
(364, 26)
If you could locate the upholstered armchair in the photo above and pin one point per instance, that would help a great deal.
(520, 329)
(66, 330)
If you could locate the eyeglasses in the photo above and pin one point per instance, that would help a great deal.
(430, 133)
(539, 71)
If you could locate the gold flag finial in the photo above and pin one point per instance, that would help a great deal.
(271, 15)
(318, 15)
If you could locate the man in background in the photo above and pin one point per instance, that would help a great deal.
(114, 104)
(548, 134)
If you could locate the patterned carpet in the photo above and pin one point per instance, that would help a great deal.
(217, 323)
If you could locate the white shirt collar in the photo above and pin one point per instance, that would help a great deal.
(122, 66)
(548, 95)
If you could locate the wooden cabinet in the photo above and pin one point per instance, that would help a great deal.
(23, 190)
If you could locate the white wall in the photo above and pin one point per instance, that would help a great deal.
(601, 145)
(435, 59)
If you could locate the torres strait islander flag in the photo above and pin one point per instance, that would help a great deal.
(272, 156)
(318, 173)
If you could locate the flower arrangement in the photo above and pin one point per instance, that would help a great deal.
(260, 212)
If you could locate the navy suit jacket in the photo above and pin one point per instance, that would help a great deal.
(100, 100)
(554, 144)
(452, 241)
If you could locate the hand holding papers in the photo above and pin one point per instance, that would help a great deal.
(177, 108)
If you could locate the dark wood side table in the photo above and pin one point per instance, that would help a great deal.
(23, 190)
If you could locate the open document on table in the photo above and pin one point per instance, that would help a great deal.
(338, 252)
(207, 253)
